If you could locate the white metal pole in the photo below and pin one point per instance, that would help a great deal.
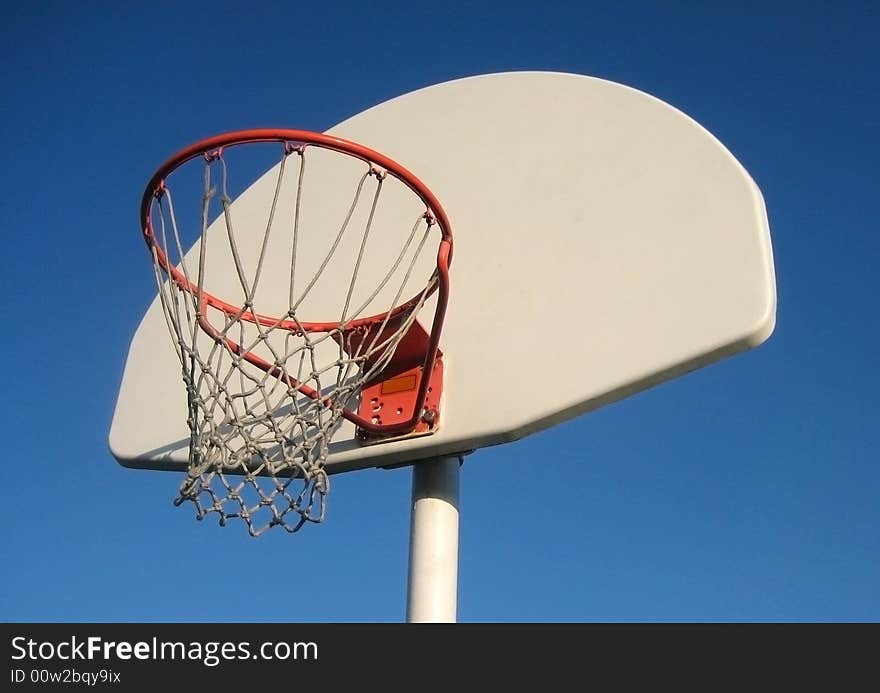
(432, 593)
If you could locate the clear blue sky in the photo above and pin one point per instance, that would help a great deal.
(748, 491)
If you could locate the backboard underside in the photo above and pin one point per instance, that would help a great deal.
(604, 243)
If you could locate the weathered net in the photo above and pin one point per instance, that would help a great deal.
(266, 390)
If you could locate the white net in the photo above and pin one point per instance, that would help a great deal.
(266, 390)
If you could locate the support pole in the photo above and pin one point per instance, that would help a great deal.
(432, 593)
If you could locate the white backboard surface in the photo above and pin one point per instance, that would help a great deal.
(604, 242)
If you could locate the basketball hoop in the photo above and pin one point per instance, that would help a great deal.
(266, 385)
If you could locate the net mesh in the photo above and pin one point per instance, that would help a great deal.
(266, 394)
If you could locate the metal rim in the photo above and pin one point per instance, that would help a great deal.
(212, 147)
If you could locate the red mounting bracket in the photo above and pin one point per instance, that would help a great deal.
(391, 400)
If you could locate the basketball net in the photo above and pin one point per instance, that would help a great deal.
(266, 390)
